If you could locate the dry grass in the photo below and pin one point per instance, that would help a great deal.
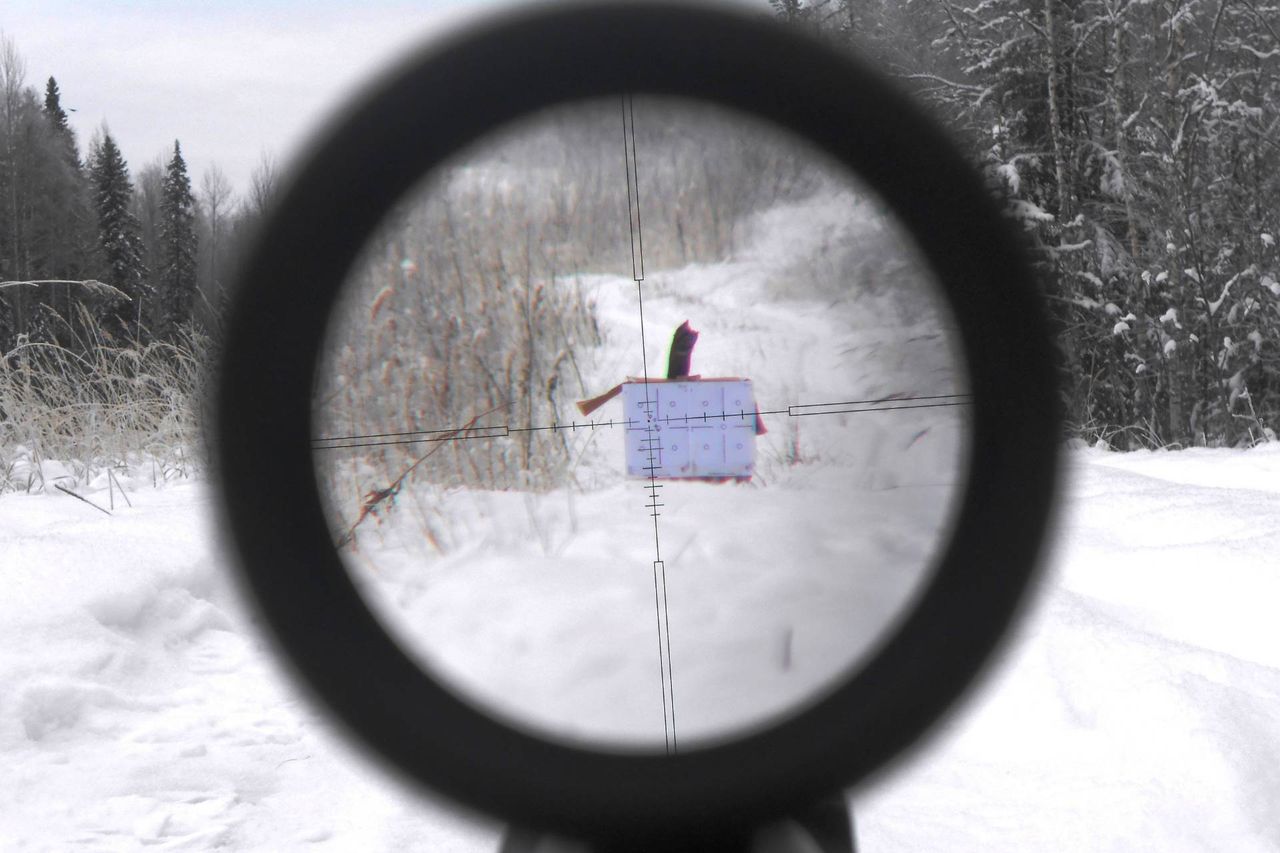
(90, 405)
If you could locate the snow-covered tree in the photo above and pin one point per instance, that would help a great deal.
(1134, 145)
(177, 249)
(119, 239)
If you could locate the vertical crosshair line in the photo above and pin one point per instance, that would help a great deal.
(633, 188)
(659, 568)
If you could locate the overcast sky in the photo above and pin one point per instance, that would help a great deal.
(230, 79)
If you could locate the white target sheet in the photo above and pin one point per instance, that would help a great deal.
(690, 428)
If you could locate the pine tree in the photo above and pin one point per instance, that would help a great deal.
(43, 196)
(56, 120)
(118, 239)
(64, 230)
(177, 280)
(53, 106)
(12, 253)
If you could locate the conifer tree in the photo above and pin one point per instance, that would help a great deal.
(118, 239)
(177, 279)
(42, 213)
(56, 120)
(64, 230)
(53, 106)
(12, 254)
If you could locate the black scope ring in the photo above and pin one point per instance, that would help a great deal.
(431, 107)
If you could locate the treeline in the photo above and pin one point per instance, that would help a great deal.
(89, 253)
(1138, 145)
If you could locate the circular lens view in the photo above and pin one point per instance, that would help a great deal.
(639, 425)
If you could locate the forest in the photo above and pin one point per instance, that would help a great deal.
(1137, 145)
(111, 286)
(75, 212)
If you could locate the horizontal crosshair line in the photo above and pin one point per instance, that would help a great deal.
(883, 404)
(391, 438)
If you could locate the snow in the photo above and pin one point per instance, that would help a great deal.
(141, 707)
(1093, 280)
(1028, 212)
(1009, 172)
(1133, 710)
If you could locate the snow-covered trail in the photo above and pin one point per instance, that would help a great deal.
(550, 618)
(770, 315)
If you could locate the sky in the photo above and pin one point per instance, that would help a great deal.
(232, 81)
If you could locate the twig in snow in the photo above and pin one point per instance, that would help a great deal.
(287, 760)
(376, 497)
(63, 488)
(111, 478)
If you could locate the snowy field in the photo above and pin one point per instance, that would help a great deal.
(140, 709)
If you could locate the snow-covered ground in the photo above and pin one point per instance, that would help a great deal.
(1135, 709)
(141, 708)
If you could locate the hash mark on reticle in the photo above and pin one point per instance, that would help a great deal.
(651, 444)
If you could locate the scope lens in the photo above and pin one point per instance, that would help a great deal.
(698, 555)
